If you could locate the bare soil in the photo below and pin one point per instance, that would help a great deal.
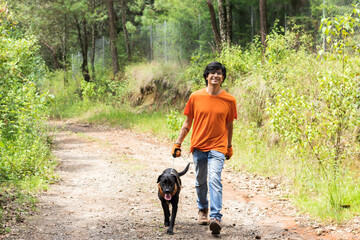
(108, 190)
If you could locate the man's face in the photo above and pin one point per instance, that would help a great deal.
(215, 77)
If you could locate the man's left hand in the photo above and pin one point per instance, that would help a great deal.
(229, 153)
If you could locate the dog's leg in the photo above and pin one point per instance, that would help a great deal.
(165, 207)
(173, 215)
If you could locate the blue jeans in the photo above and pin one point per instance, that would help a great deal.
(211, 162)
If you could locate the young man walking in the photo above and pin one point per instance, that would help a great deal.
(211, 111)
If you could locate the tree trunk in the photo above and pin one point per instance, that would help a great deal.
(263, 23)
(66, 82)
(126, 35)
(228, 22)
(84, 65)
(113, 49)
(222, 22)
(82, 37)
(92, 60)
(54, 55)
(214, 26)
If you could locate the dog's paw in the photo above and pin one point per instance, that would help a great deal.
(170, 231)
(166, 224)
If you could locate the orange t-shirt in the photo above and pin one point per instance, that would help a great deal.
(210, 115)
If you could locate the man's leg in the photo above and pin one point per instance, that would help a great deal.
(201, 169)
(216, 163)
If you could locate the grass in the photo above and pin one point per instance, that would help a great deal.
(26, 168)
(333, 201)
(154, 123)
(148, 122)
(256, 150)
(329, 201)
(255, 153)
(15, 204)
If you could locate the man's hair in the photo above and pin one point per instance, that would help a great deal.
(213, 66)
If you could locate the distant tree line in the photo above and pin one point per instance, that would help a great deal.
(69, 26)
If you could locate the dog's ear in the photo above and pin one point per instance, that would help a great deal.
(159, 178)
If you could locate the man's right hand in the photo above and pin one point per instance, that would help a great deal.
(176, 151)
(229, 153)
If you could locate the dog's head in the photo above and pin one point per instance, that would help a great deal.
(167, 185)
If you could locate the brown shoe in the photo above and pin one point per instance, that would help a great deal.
(215, 226)
(203, 216)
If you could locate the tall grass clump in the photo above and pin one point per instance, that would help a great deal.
(157, 85)
(299, 115)
(25, 164)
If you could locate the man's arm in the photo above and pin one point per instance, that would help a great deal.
(185, 129)
(229, 129)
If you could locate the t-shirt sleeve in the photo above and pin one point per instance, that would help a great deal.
(189, 110)
(233, 112)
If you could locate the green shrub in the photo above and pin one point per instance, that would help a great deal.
(299, 115)
(22, 116)
(174, 122)
(24, 145)
(318, 121)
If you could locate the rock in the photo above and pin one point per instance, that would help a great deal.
(272, 186)
(319, 231)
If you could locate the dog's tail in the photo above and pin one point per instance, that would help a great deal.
(185, 170)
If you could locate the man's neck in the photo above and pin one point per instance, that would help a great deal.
(213, 90)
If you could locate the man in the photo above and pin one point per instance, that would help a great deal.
(213, 111)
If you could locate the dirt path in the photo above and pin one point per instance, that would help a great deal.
(108, 190)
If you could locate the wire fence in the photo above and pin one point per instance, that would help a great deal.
(177, 41)
(102, 56)
(164, 42)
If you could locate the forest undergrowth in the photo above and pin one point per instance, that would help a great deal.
(298, 111)
(26, 165)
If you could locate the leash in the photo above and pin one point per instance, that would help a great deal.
(186, 156)
(173, 161)
(172, 166)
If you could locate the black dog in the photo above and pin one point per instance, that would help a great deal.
(169, 185)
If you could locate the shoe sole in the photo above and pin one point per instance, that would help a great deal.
(215, 228)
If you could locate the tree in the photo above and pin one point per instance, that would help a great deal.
(215, 30)
(92, 59)
(82, 34)
(263, 21)
(47, 23)
(228, 22)
(225, 21)
(192, 24)
(113, 36)
(222, 21)
(126, 35)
